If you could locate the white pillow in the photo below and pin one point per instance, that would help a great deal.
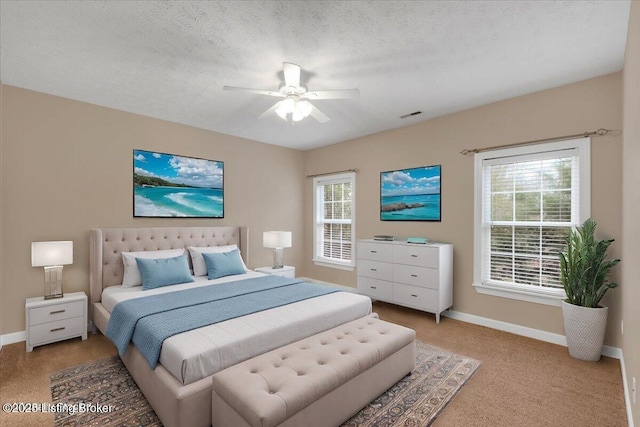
(199, 267)
(132, 275)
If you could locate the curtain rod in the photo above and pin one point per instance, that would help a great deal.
(331, 173)
(599, 132)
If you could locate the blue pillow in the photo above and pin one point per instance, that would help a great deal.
(164, 271)
(223, 264)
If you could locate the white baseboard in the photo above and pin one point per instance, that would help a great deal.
(13, 337)
(524, 331)
(625, 386)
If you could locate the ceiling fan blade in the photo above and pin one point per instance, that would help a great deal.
(256, 91)
(291, 74)
(333, 94)
(319, 115)
(270, 111)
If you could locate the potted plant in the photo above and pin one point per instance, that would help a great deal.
(584, 272)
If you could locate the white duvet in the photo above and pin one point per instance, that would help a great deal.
(193, 355)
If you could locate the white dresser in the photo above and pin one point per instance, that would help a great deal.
(419, 276)
(56, 319)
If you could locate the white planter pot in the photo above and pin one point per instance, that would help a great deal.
(584, 328)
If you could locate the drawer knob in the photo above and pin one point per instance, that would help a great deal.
(58, 329)
(414, 275)
(57, 312)
(414, 295)
(373, 287)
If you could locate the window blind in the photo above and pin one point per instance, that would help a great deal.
(530, 202)
(334, 212)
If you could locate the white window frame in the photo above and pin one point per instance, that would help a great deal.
(515, 291)
(318, 230)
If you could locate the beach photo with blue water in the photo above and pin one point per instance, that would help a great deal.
(166, 185)
(410, 194)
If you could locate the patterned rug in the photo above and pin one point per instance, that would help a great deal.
(111, 397)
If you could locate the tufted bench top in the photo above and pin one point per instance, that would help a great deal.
(269, 388)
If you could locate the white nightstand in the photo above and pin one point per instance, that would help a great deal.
(286, 271)
(55, 319)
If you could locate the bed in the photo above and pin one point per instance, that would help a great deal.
(179, 388)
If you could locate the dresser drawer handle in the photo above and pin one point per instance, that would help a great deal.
(414, 275)
(414, 256)
(58, 329)
(414, 295)
(57, 312)
(374, 269)
(373, 287)
(374, 252)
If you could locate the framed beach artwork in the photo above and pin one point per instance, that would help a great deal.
(167, 185)
(411, 194)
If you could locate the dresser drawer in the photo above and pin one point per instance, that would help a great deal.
(54, 312)
(375, 269)
(375, 251)
(424, 256)
(415, 296)
(376, 289)
(416, 276)
(55, 331)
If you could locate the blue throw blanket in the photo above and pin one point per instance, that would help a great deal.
(149, 320)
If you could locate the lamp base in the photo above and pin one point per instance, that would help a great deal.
(277, 258)
(53, 282)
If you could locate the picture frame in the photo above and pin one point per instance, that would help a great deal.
(173, 186)
(412, 194)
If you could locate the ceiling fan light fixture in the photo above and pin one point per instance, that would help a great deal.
(289, 105)
(295, 96)
(304, 107)
(297, 116)
(282, 112)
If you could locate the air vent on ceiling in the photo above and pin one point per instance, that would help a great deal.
(415, 113)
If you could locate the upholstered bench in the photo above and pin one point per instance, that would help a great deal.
(318, 381)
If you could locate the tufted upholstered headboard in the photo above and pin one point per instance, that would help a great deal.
(107, 244)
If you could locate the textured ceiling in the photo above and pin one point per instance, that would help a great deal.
(170, 60)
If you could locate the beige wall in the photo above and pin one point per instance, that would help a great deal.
(1, 216)
(571, 109)
(630, 288)
(67, 167)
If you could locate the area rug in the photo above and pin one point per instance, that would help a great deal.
(103, 393)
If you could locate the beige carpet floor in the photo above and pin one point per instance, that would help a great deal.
(522, 382)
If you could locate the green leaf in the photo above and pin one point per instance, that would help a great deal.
(584, 268)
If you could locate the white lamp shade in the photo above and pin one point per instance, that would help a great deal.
(276, 239)
(44, 254)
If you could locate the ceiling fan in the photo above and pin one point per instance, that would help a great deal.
(295, 104)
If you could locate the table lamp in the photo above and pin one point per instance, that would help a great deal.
(52, 256)
(277, 240)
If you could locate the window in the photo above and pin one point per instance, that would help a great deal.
(334, 220)
(526, 201)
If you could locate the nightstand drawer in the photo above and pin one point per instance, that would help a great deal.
(286, 271)
(55, 312)
(56, 331)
